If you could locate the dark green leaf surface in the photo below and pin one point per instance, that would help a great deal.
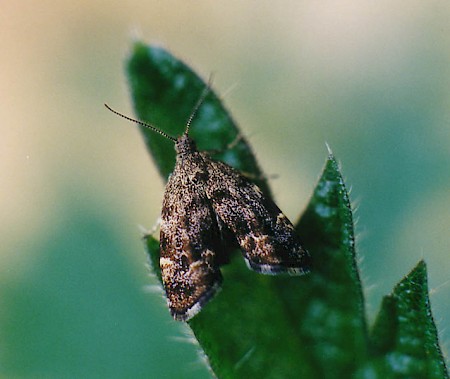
(327, 309)
(404, 337)
(285, 327)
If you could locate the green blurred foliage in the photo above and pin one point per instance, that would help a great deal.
(80, 311)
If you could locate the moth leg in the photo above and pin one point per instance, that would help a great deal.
(146, 233)
(239, 137)
(253, 177)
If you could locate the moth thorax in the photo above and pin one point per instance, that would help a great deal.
(185, 145)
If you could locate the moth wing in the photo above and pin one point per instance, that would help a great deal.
(190, 242)
(265, 235)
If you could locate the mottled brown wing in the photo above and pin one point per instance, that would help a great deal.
(264, 233)
(189, 241)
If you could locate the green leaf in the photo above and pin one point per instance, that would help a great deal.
(328, 307)
(284, 327)
(319, 311)
(164, 92)
(404, 337)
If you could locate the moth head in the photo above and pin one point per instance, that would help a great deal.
(185, 145)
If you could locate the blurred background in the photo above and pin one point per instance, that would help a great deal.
(371, 79)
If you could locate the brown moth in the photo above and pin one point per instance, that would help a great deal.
(204, 201)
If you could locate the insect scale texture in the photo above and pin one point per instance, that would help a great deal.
(207, 207)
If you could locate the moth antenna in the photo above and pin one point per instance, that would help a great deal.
(199, 103)
(142, 123)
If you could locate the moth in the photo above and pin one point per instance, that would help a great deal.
(207, 207)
